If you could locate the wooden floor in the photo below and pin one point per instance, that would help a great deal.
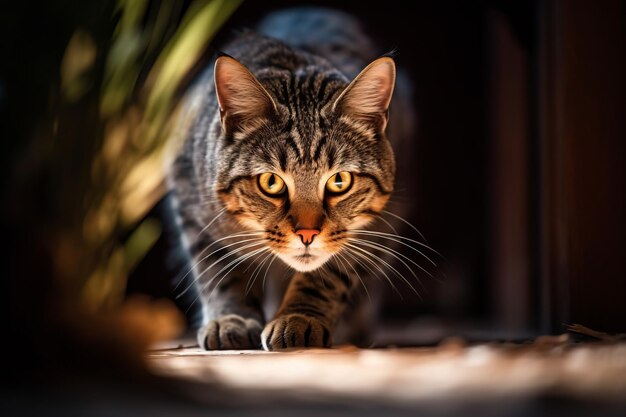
(453, 372)
(552, 376)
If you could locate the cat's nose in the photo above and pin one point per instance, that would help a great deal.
(307, 235)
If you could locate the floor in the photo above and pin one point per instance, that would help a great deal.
(548, 376)
(494, 378)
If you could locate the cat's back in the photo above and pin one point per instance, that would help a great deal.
(301, 37)
(331, 34)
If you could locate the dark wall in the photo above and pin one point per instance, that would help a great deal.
(583, 163)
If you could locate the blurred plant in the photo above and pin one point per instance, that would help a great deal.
(136, 112)
(98, 157)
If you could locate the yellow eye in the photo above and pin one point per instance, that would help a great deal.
(271, 184)
(339, 183)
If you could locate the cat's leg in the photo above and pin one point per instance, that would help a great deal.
(233, 314)
(311, 308)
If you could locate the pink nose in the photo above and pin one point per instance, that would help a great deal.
(307, 235)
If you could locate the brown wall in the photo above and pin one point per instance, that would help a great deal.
(583, 171)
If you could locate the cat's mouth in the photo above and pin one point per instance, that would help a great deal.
(305, 256)
(305, 260)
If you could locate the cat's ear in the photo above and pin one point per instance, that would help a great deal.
(240, 95)
(368, 95)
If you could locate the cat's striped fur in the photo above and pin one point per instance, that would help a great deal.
(287, 108)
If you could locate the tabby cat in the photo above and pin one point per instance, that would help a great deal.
(286, 158)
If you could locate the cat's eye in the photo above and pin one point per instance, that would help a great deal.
(339, 183)
(271, 184)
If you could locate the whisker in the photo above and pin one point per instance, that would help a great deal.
(399, 202)
(389, 266)
(232, 264)
(256, 272)
(396, 255)
(358, 262)
(267, 269)
(399, 239)
(211, 254)
(392, 252)
(406, 222)
(207, 203)
(356, 273)
(231, 236)
(220, 213)
(325, 271)
(287, 271)
(381, 218)
(237, 262)
(251, 263)
(250, 245)
(353, 255)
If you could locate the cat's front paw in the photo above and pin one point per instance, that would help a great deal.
(230, 332)
(295, 330)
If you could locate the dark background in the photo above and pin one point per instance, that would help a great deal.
(519, 177)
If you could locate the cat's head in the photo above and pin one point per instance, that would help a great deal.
(305, 156)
